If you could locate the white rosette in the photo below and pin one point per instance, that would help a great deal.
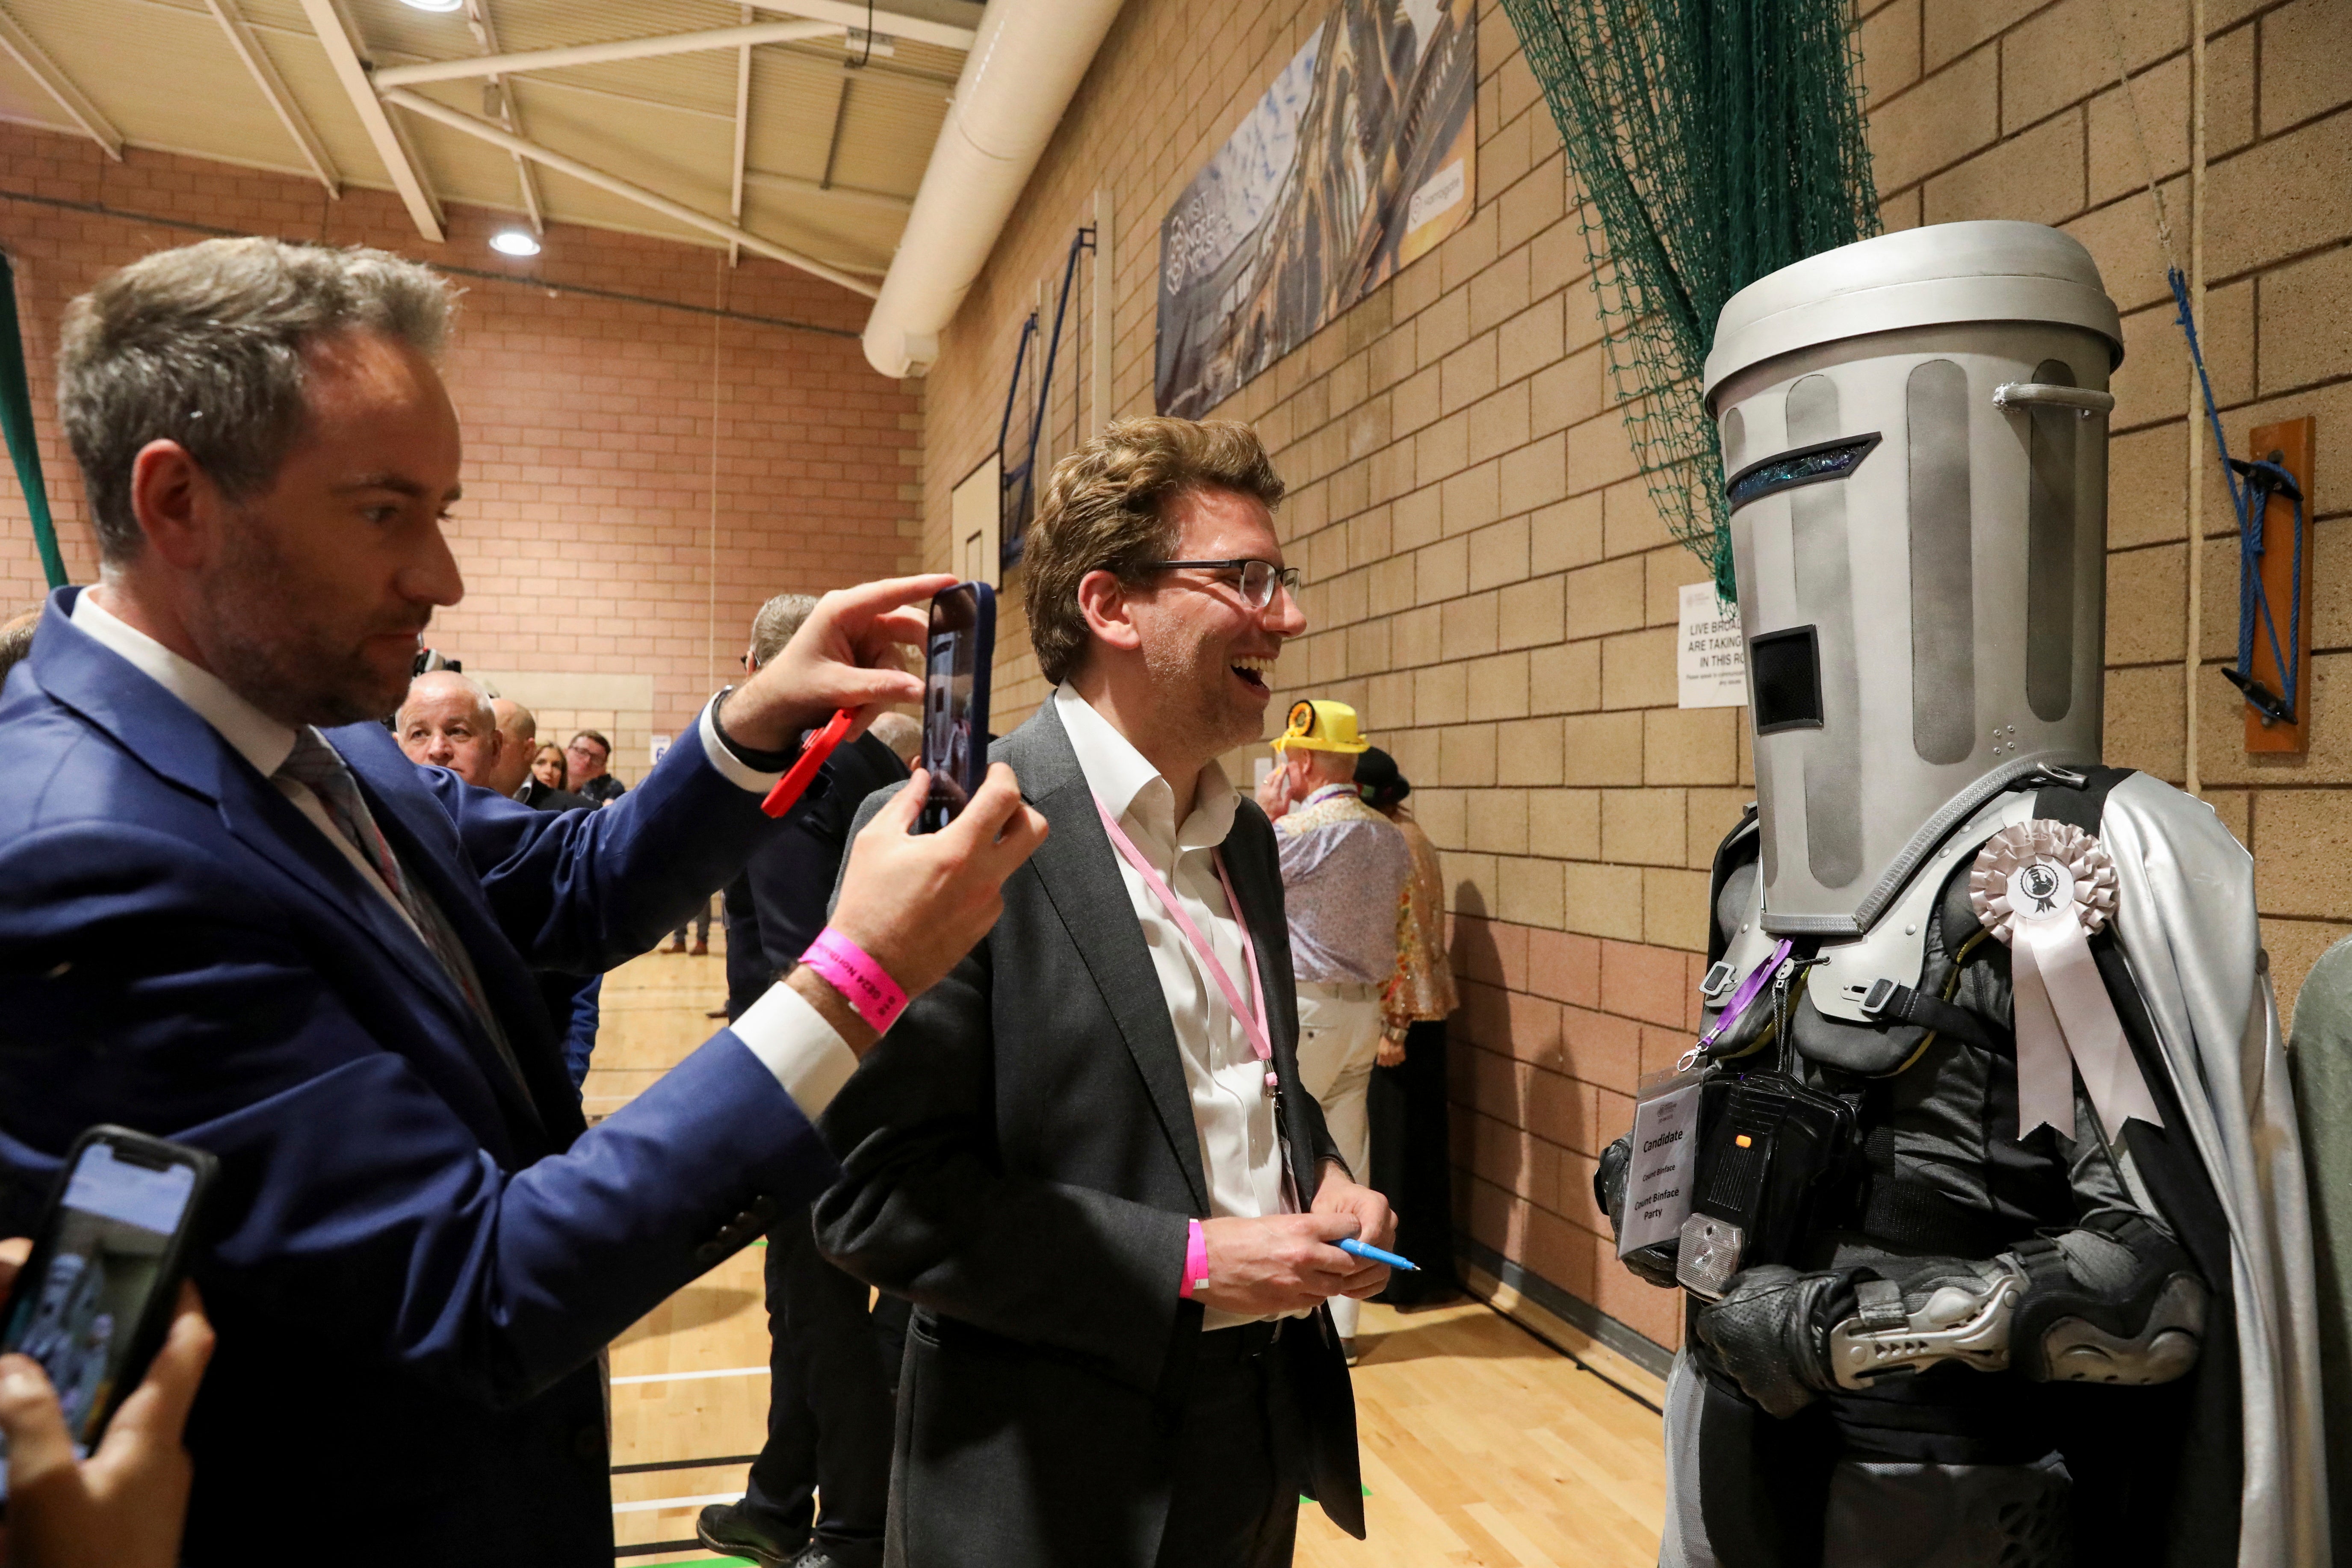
(2043, 889)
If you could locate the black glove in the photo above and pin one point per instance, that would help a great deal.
(1771, 1334)
(1609, 1183)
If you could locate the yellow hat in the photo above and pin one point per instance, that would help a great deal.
(1321, 726)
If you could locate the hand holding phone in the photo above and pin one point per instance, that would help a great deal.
(92, 1305)
(123, 1507)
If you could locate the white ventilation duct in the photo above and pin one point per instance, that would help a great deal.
(1016, 81)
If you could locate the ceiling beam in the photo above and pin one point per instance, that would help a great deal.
(458, 120)
(885, 24)
(59, 86)
(825, 58)
(345, 52)
(478, 15)
(850, 195)
(273, 87)
(743, 139)
(600, 54)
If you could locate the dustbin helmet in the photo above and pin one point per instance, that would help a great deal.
(1915, 452)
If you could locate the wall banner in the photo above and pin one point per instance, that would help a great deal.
(1360, 157)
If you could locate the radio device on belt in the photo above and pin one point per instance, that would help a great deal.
(1766, 1144)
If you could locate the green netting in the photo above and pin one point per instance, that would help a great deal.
(1715, 141)
(16, 422)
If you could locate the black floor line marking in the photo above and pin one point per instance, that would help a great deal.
(684, 1464)
(650, 1547)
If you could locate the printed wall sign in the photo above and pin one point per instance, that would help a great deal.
(1710, 664)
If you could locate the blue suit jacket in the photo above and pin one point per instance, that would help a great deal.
(414, 1258)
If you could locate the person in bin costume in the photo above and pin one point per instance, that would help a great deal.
(1990, 1215)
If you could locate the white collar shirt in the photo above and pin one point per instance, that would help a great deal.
(253, 735)
(1233, 1113)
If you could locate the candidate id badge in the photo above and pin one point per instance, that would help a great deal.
(1659, 1178)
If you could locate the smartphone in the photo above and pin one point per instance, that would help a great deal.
(94, 1301)
(956, 660)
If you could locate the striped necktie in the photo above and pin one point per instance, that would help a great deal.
(316, 764)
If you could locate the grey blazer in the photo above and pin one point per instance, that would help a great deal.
(1019, 1158)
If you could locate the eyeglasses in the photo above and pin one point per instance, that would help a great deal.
(1258, 577)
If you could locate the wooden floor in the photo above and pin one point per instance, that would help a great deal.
(1483, 1448)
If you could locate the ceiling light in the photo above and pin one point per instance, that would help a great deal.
(434, 4)
(512, 241)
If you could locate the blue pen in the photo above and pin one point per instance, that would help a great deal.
(1358, 1249)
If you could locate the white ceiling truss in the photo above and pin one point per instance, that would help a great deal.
(888, 23)
(780, 128)
(58, 86)
(498, 101)
(603, 54)
(522, 147)
(742, 134)
(338, 36)
(255, 57)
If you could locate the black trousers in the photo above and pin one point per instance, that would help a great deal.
(829, 1418)
(1412, 1166)
(1240, 1457)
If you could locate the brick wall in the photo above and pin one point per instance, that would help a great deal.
(598, 429)
(2011, 109)
(1488, 583)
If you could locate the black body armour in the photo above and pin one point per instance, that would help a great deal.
(1893, 1155)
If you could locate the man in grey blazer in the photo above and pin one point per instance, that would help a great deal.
(1072, 1155)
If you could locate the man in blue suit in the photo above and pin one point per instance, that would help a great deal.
(293, 947)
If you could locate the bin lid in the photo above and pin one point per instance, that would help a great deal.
(1992, 270)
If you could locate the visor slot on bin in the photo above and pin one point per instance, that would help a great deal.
(1811, 465)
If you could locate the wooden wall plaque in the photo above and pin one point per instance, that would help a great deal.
(2288, 443)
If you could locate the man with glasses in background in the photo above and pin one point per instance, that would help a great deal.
(584, 762)
(1117, 1218)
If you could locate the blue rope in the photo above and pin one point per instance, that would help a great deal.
(1022, 475)
(2250, 501)
(1012, 394)
(2251, 593)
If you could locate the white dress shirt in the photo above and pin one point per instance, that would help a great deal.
(791, 1039)
(1233, 1112)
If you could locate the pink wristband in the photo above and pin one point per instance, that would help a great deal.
(1196, 1260)
(844, 965)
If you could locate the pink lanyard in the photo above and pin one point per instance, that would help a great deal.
(1253, 1019)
